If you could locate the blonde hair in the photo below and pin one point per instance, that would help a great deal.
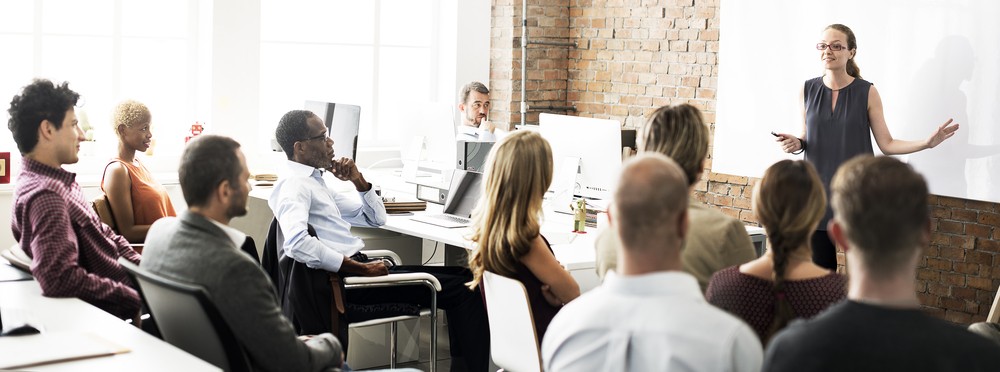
(789, 202)
(130, 113)
(508, 216)
(680, 133)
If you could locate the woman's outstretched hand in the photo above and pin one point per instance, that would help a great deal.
(943, 132)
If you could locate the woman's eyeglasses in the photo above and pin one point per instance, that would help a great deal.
(833, 47)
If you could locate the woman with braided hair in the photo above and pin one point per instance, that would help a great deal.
(784, 283)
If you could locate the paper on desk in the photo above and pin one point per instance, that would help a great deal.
(54, 347)
(559, 237)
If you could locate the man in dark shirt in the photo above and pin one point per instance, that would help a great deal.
(72, 253)
(881, 219)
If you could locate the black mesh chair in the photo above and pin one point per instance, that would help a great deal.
(189, 320)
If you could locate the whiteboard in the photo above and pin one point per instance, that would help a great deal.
(929, 59)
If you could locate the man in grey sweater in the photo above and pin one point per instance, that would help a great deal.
(199, 247)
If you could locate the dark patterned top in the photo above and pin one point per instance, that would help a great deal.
(541, 311)
(752, 299)
(834, 135)
(72, 253)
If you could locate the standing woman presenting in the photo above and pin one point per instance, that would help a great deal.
(839, 110)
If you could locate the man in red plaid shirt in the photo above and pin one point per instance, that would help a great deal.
(72, 253)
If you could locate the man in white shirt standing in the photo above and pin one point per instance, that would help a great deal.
(301, 199)
(651, 316)
(474, 107)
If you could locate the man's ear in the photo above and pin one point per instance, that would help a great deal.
(837, 234)
(461, 107)
(223, 191)
(683, 224)
(120, 129)
(46, 129)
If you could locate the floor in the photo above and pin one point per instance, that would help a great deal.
(443, 350)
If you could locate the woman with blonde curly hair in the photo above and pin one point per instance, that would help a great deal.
(507, 228)
(136, 199)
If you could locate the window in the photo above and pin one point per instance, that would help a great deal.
(108, 51)
(379, 54)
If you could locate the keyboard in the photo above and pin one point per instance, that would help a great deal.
(451, 218)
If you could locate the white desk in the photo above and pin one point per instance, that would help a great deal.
(73, 315)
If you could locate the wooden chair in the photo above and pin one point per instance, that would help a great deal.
(513, 338)
(103, 208)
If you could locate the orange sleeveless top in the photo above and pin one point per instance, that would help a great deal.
(150, 201)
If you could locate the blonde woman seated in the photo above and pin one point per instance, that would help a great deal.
(784, 283)
(136, 199)
(715, 241)
(508, 225)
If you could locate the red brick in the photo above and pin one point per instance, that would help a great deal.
(982, 258)
(987, 218)
(967, 268)
(950, 227)
(978, 231)
(980, 283)
(954, 254)
(952, 303)
(964, 215)
(964, 293)
(939, 264)
(981, 206)
(938, 289)
(953, 279)
(957, 317)
(988, 245)
(928, 275)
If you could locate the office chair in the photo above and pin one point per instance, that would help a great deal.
(309, 297)
(513, 340)
(188, 319)
(103, 208)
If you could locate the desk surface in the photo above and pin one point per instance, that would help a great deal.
(73, 315)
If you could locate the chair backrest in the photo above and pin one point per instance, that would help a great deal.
(994, 316)
(188, 319)
(513, 343)
(103, 209)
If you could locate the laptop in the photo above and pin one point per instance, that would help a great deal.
(463, 194)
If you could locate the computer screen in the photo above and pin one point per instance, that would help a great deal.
(466, 188)
(342, 120)
(597, 143)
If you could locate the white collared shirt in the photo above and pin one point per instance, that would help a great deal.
(301, 197)
(238, 237)
(652, 322)
(473, 134)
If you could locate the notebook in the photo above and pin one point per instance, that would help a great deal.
(463, 194)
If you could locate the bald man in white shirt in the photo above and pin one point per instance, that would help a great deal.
(651, 316)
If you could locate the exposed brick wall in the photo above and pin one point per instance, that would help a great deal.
(636, 55)
(548, 20)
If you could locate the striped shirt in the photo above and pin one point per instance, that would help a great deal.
(72, 253)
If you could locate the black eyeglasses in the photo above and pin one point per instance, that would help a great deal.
(323, 136)
(833, 47)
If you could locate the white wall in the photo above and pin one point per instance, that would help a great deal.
(930, 61)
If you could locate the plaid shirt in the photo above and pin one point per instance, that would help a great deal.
(72, 253)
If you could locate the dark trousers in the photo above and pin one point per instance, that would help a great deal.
(824, 251)
(468, 326)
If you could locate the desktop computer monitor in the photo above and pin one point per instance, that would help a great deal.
(342, 121)
(597, 143)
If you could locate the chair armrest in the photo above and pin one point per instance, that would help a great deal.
(395, 279)
(382, 253)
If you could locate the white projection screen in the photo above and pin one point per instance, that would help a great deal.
(929, 59)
